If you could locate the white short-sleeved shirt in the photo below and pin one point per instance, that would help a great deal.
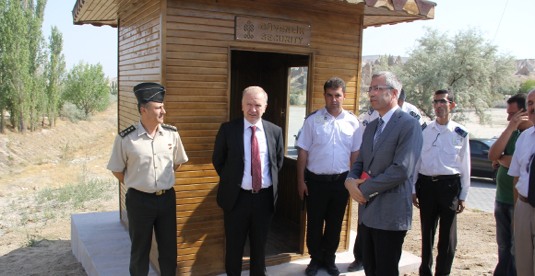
(148, 162)
(329, 141)
(520, 163)
(445, 152)
(371, 115)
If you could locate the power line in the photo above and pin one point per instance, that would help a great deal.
(500, 22)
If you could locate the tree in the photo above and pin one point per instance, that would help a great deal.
(54, 74)
(527, 86)
(15, 63)
(37, 59)
(465, 64)
(87, 88)
(21, 60)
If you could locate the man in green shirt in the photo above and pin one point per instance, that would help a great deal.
(501, 153)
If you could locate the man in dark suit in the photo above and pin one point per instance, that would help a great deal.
(248, 155)
(380, 178)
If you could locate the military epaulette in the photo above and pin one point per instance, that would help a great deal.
(127, 131)
(311, 114)
(169, 127)
(413, 114)
(365, 122)
(461, 132)
(424, 125)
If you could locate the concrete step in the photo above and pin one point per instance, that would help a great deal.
(101, 244)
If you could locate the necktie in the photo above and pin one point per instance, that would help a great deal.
(256, 167)
(378, 130)
(531, 189)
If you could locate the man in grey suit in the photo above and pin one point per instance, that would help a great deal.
(248, 155)
(380, 178)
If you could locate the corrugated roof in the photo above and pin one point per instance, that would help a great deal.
(376, 12)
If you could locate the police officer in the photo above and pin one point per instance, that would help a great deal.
(145, 157)
(328, 144)
(442, 183)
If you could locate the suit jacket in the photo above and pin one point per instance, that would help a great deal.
(229, 161)
(391, 165)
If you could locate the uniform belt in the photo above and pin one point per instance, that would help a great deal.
(257, 192)
(157, 193)
(325, 177)
(436, 178)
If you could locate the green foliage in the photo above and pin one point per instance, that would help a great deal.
(74, 195)
(465, 64)
(55, 70)
(114, 88)
(21, 62)
(527, 86)
(87, 88)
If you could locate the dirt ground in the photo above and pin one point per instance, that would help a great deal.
(35, 238)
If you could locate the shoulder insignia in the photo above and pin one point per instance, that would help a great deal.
(311, 114)
(424, 125)
(413, 114)
(127, 131)
(365, 122)
(169, 127)
(461, 132)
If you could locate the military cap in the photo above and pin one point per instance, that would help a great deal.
(149, 92)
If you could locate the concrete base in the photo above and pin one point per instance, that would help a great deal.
(101, 244)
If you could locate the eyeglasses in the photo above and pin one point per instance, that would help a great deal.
(379, 87)
(441, 101)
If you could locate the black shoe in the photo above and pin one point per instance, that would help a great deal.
(332, 270)
(312, 269)
(355, 266)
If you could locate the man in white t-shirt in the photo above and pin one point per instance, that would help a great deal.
(522, 168)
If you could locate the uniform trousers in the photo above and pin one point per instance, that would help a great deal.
(326, 205)
(524, 228)
(439, 199)
(251, 217)
(147, 212)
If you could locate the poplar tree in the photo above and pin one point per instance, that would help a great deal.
(55, 70)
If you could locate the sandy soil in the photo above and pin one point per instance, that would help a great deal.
(35, 238)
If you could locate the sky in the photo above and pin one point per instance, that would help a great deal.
(508, 24)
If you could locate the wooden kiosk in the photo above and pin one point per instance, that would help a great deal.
(206, 52)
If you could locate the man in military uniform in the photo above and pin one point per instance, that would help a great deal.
(329, 141)
(145, 157)
(442, 183)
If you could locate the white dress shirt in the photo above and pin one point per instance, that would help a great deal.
(520, 164)
(247, 182)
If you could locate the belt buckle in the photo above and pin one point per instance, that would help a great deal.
(160, 192)
(434, 178)
(254, 192)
